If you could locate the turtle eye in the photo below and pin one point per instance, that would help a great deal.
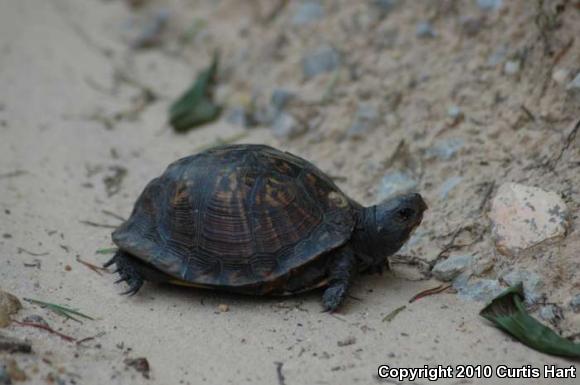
(405, 214)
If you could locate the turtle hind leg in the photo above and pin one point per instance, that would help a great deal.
(128, 271)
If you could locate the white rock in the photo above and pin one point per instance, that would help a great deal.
(574, 84)
(560, 75)
(511, 67)
(524, 216)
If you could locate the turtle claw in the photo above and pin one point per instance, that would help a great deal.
(110, 262)
(127, 273)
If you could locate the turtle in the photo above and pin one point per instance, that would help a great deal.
(251, 219)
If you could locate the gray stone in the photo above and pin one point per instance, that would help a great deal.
(454, 112)
(385, 6)
(445, 149)
(323, 59)
(471, 25)
(5, 378)
(308, 12)
(365, 119)
(280, 98)
(511, 67)
(531, 281)
(548, 313)
(150, 32)
(450, 268)
(287, 126)
(497, 56)
(424, 30)
(524, 216)
(561, 75)
(238, 116)
(264, 115)
(449, 185)
(489, 5)
(575, 303)
(574, 84)
(395, 183)
(483, 290)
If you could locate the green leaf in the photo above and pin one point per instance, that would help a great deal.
(61, 310)
(507, 312)
(196, 106)
(391, 316)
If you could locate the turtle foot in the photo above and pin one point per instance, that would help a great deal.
(127, 271)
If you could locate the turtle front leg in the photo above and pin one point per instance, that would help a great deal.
(342, 270)
(128, 270)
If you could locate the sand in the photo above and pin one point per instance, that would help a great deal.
(67, 133)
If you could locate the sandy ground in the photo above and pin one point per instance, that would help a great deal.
(59, 74)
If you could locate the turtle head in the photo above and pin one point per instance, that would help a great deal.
(384, 228)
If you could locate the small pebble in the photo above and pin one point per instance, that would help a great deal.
(67, 268)
(511, 67)
(575, 303)
(424, 30)
(280, 98)
(320, 60)
(223, 308)
(445, 149)
(9, 305)
(308, 12)
(489, 5)
(287, 126)
(574, 84)
(471, 25)
(347, 341)
(365, 119)
(497, 56)
(139, 364)
(560, 76)
(548, 313)
(384, 6)
(449, 185)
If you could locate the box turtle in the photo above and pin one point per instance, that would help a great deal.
(255, 220)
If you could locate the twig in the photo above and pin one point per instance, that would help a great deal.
(281, 379)
(95, 224)
(90, 338)
(22, 250)
(428, 292)
(47, 328)
(528, 113)
(112, 214)
(488, 191)
(95, 268)
(569, 139)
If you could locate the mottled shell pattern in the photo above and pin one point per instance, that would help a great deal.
(245, 216)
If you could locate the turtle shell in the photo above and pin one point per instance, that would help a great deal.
(238, 216)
